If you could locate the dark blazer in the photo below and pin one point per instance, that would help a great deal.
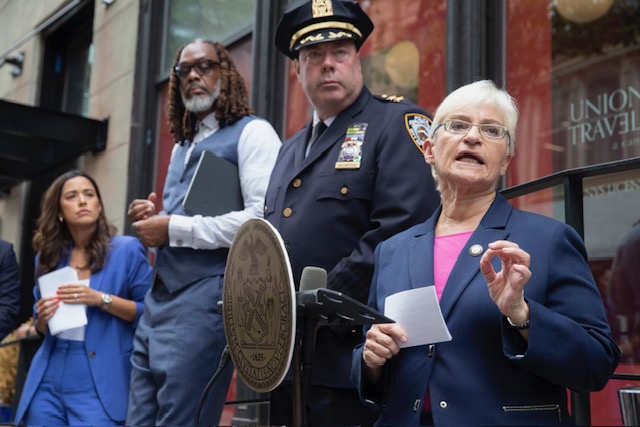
(488, 375)
(9, 289)
(108, 339)
(333, 218)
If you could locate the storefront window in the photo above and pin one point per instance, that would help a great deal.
(577, 83)
(574, 69)
(529, 81)
(217, 20)
(596, 82)
(612, 236)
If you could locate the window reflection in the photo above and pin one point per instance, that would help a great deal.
(595, 84)
(612, 237)
(624, 294)
(216, 20)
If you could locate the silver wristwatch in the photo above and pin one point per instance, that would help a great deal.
(106, 301)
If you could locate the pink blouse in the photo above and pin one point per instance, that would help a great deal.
(445, 253)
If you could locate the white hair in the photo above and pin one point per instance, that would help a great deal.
(482, 93)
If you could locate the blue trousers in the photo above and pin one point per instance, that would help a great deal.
(66, 395)
(176, 351)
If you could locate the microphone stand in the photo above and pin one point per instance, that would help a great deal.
(321, 307)
(302, 360)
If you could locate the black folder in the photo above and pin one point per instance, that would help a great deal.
(215, 187)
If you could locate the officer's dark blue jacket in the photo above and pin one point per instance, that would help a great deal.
(333, 217)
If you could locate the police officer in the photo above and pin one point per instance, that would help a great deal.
(334, 194)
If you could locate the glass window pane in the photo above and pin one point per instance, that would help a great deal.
(575, 73)
(216, 20)
(529, 82)
(548, 202)
(612, 236)
(596, 83)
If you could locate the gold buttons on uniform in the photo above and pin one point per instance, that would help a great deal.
(287, 212)
(92, 354)
(296, 183)
(265, 208)
(344, 190)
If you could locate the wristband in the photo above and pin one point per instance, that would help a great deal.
(38, 332)
(521, 326)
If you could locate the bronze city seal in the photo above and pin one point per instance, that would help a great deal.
(259, 306)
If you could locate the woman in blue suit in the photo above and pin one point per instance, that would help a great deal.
(81, 375)
(515, 290)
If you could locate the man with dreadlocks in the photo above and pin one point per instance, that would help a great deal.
(180, 336)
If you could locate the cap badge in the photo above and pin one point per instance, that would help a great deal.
(350, 155)
(418, 126)
(322, 8)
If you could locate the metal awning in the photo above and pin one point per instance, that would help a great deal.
(34, 140)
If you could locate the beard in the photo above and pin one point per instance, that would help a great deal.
(200, 103)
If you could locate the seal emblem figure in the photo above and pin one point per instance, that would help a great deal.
(259, 306)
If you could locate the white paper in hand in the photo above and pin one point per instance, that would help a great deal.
(417, 312)
(67, 316)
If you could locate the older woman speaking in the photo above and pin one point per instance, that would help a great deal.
(514, 288)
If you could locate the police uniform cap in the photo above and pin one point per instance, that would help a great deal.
(319, 21)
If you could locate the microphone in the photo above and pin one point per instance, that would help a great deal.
(313, 278)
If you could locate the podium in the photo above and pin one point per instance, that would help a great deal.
(268, 325)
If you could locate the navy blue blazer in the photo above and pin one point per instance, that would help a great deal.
(9, 288)
(334, 217)
(108, 339)
(488, 374)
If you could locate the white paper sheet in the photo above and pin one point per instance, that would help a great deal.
(67, 316)
(417, 312)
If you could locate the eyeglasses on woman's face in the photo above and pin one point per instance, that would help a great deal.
(488, 130)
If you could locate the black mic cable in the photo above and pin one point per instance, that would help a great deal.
(224, 360)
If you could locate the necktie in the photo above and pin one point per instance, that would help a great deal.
(317, 130)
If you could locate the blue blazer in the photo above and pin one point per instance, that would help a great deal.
(9, 288)
(488, 375)
(338, 216)
(108, 339)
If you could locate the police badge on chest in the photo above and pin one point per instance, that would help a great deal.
(350, 155)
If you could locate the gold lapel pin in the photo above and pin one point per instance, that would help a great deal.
(476, 250)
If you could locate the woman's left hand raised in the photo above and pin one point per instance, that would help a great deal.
(79, 294)
(506, 288)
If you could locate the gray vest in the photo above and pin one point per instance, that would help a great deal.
(179, 267)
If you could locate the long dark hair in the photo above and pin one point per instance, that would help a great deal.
(231, 105)
(52, 238)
